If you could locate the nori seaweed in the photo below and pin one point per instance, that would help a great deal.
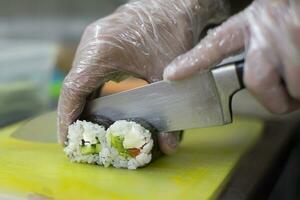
(156, 152)
(100, 120)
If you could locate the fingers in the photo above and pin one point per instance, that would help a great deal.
(289, 53)
(220, 43)
(263, 80)
(76, 89)
(277, 53)
(90, 70)
(169, 141)
(292, 75)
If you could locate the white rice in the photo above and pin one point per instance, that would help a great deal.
(134, 137)
(83, 130)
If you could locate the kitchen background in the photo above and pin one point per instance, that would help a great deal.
(38, 39)
(37, 43)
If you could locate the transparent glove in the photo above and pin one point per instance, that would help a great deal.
(269, 32)
(140, 38)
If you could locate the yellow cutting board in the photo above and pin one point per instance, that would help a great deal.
(198, 170)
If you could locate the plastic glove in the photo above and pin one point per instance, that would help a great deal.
(139, 39)
(268, 31)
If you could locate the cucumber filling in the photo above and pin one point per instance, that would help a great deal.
(90, 149)
(117, 143)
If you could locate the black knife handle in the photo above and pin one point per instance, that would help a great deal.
(239, 66)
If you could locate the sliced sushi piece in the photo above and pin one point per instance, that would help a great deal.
(131, 144)
(86, 141)
(126, 143)
(104, 154)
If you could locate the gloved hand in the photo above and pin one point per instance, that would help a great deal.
(268, 31)
(140, 39)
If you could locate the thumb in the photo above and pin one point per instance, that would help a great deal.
(169, 141)
(223, 41)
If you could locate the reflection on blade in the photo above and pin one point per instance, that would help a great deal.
(168, 106)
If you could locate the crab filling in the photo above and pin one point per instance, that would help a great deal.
(118, 143)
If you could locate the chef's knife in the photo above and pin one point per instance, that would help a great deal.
(200, 101)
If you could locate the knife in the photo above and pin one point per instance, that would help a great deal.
(200, 101)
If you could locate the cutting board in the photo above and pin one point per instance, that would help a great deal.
(203, 163)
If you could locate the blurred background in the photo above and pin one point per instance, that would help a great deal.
(38, 40)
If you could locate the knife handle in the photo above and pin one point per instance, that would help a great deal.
(234, 66)
(239, 66)
(229, 76)
(229, 80)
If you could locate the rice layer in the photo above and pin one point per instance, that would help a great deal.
(84, 134)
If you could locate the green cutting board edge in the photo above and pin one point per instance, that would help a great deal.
(198, 170)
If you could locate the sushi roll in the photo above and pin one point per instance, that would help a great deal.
(125, 144)
(130, 144)
(86, 141)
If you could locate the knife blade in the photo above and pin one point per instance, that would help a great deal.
(200, 101)
(39, 129)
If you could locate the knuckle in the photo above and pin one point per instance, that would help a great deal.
(69, 87)
(90, 28)
(295, 92)
(67, 83)
(253, 83)
(293, 84)
(94, 30)
(259, 80)
(282, 109)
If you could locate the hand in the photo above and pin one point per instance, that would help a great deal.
(139, 39)
(268, 31)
